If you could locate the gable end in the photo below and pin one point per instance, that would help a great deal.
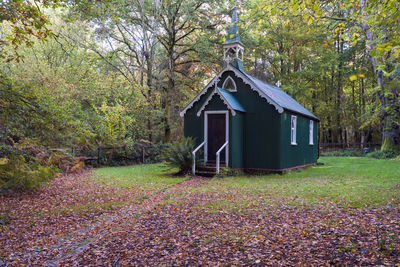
(240, 75)
(209, 99)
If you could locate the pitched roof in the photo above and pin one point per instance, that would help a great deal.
(231, 100)
(273, 95)
(280, 97)
(227, 98)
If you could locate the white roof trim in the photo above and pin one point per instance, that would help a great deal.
(216, 91)
(247, 81)
(215, 80)
(238, 74)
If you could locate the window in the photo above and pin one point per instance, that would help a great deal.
(311, 132)
(293, 130)
(229, 84)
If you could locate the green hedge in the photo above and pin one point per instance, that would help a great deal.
(378, 154)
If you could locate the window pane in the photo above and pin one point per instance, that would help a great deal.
(229, 84)
(293, 130)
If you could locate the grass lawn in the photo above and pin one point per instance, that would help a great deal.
(346, 181)
(148, 177)
(343, 181)
(350, 182)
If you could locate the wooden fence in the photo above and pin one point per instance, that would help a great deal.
(363, 147)
(115, 155)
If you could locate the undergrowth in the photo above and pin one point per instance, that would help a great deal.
(18, 174)
(378, 154)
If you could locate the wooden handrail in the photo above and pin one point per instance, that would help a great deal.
(217, 154)
(194, 157)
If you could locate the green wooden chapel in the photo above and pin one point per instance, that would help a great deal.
(247, 124)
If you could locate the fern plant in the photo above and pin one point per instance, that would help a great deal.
(179, 154)
(17, 173)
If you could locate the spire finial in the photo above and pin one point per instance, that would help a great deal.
(233, 47)
(234, 14)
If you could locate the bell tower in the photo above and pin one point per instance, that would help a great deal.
(233, 47)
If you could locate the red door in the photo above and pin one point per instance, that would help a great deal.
(216, 136)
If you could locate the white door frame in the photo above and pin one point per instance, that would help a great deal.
(206, 113)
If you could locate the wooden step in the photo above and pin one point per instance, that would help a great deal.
(205, 168)
(208, 170)
(213, 164)
(205, 173)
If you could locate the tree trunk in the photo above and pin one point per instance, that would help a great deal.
(390, 111)
(339, 92)
(168, 99)
(390, 114)
(149, 60)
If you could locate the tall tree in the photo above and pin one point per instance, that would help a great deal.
(135, 31)
(27, 21)
(377, 23)
(177, 22)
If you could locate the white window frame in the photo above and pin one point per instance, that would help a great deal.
(234, 84)
(293, 130)
(311, 132)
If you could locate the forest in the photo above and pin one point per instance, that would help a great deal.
(110, 73)
(90, 89)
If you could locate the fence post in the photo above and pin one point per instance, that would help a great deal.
(98, 155)
(143, 151)
(362, 143)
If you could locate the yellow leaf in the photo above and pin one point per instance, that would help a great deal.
(260, 237)
(361, 75)
(353, 78)
(3, 161)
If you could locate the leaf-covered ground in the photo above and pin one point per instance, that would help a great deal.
(138, 216)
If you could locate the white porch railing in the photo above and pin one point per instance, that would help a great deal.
(194, 157)
(217, 154)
